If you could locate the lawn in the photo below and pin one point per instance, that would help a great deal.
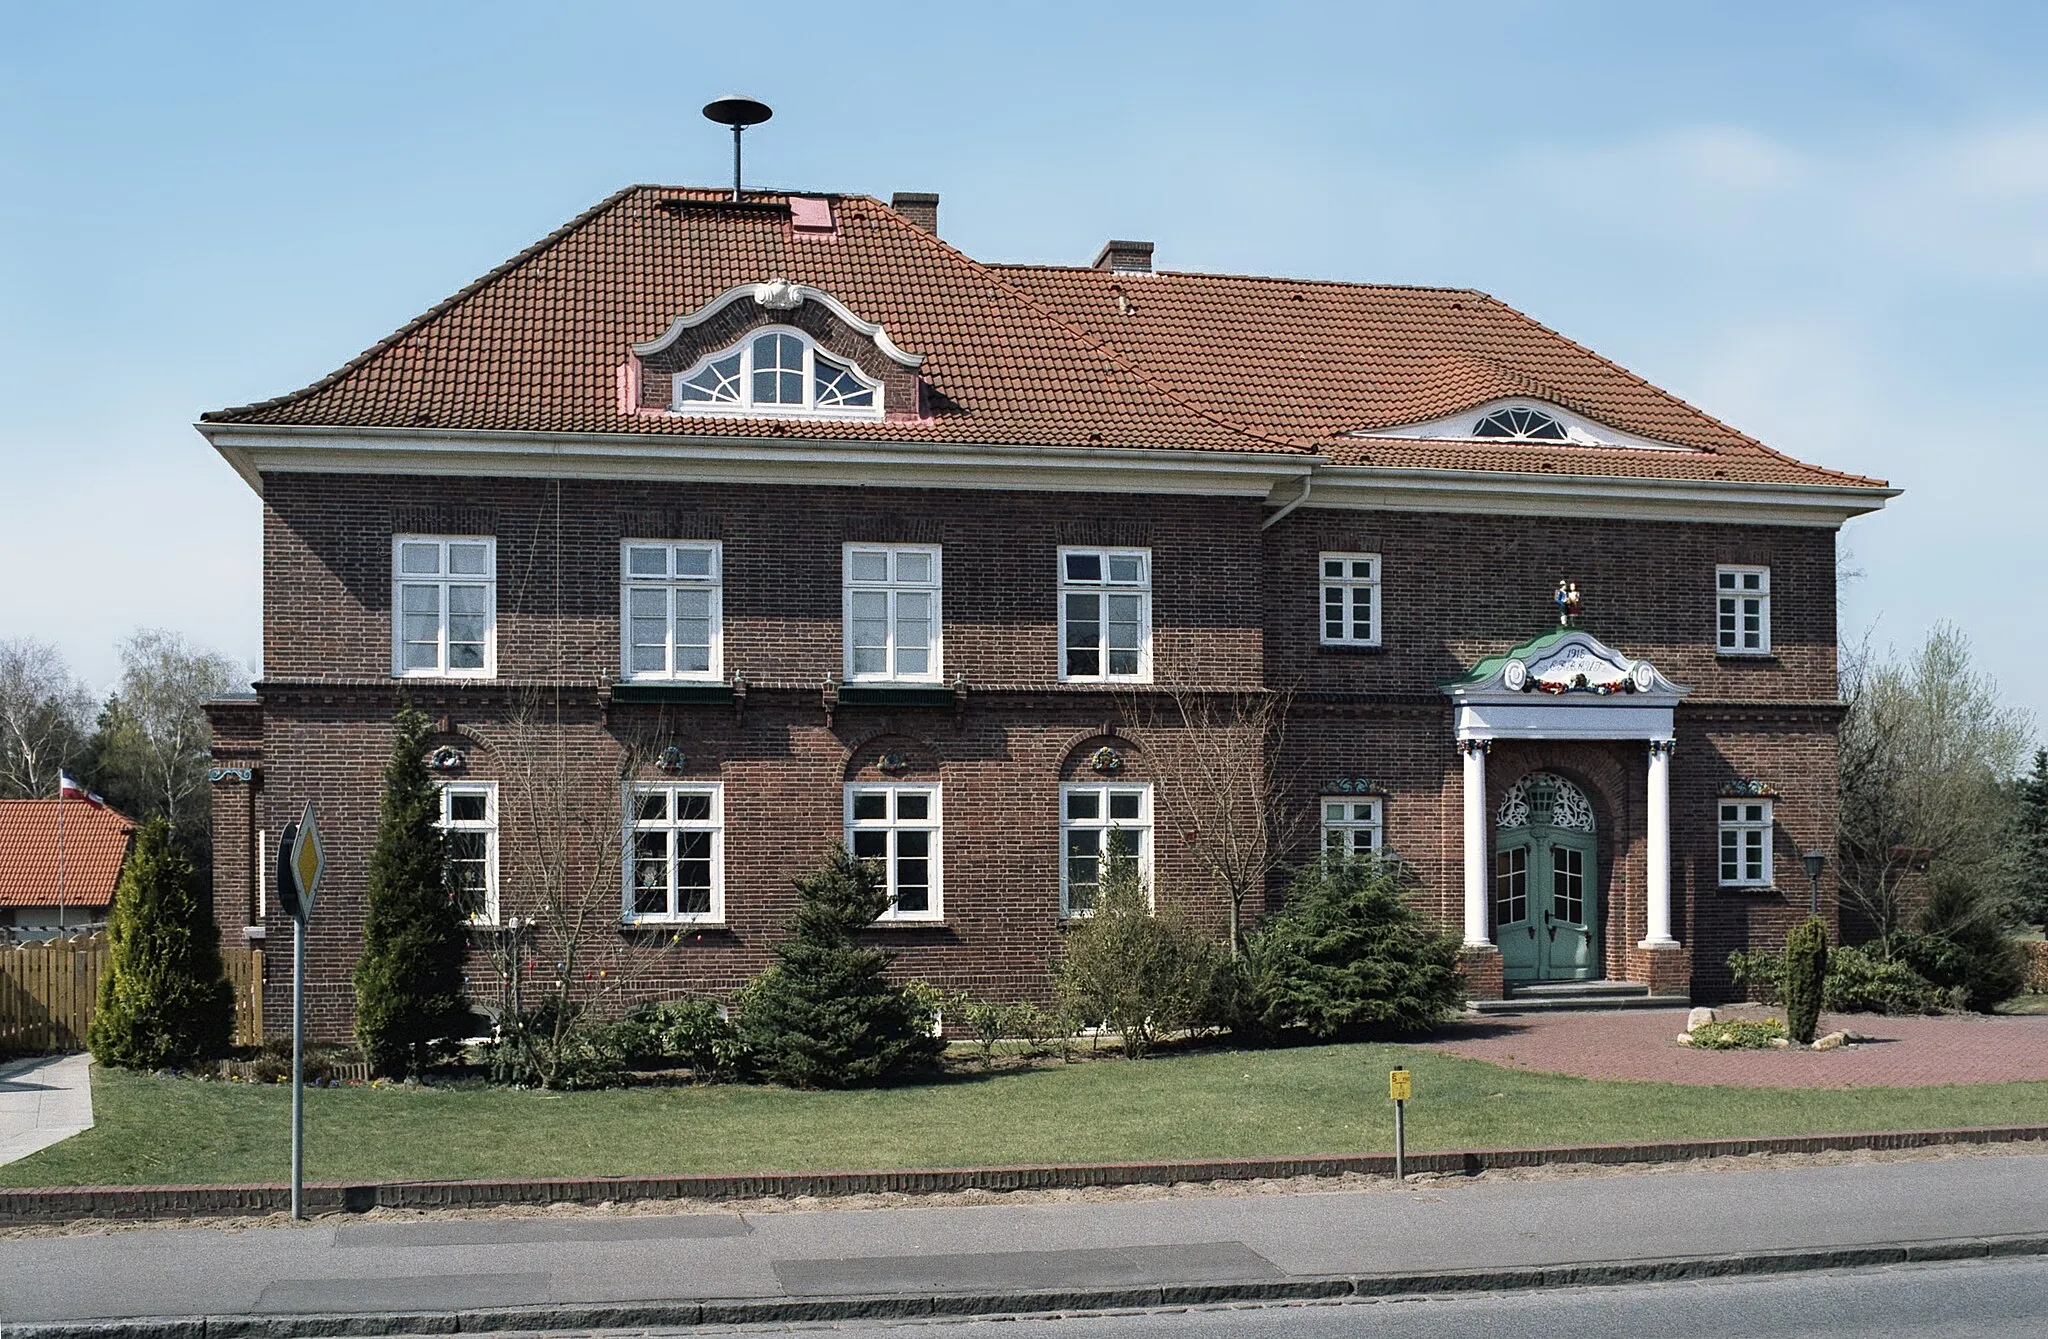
(1318, 1099)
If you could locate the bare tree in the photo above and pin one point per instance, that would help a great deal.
(563, 846)
(1229, 801)
(1927, 753)
(45, 714)
(154, 742)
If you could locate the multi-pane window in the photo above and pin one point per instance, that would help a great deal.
(669, 610)
(443, 605)
(1510, 886)
(1351, 599)
(1743, 610)
(1105, 614)
(779, 373)
(892, 612)
(1351, 826)
(675, 853)
(469, 826)
(1101, 827)
(1746, 844)
(895, 828)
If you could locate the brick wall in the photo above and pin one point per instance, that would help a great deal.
(1233, 608)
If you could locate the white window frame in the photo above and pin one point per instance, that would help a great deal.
(1103, 588)
(442, 581)
(894, 826)
(1740, 592)
(746, 407)
(1749, 836)
(1349, 584)
(714, 823)
(670, 585)
(1362, 814)
(1102, 824)
(488, 825)
(892, 588)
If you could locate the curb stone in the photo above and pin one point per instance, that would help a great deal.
(172, 1202)
(823, 1310)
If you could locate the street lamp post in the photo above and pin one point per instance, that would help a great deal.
(1816, 861)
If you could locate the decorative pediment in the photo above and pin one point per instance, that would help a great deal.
(779, 296)
(1521, 419)
(1568, 662)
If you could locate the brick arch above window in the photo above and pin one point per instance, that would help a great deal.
(1097, 756)
(889, 755)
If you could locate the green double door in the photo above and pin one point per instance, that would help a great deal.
(1546, 902)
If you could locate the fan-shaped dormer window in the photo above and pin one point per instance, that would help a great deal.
(1519, 424)
(777, 374)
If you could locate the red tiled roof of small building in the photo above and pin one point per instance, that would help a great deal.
(1014, 354)
(95, 845)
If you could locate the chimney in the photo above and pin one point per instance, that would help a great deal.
(920, 207)
(1124, 257)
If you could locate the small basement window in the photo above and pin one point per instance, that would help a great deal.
(777, 373)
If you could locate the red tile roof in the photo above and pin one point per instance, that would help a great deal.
(1014, 354)
(95, 844)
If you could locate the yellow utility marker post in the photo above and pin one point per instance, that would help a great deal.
(1400, 1087)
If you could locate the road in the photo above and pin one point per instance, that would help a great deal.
(2005, 1299)
(1051, 1254)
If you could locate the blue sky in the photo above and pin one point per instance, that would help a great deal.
(1823, 223)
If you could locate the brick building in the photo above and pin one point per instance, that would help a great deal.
(714, 532)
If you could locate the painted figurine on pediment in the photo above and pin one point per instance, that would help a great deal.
(1567, 602)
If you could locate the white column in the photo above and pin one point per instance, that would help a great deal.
(1657, 847)
(1477, 840)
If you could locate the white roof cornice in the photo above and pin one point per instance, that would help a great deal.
(779, 295)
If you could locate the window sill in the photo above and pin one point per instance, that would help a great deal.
(1352, 648)
(1751, 890)
(907, 923)
(895, 695)
(672, 692)
(655, 925)
(1748, 657)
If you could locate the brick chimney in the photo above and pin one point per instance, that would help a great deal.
(920, 207)
(1125, 257)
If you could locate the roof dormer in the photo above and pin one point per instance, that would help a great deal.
(1520, 420)
(774, 350)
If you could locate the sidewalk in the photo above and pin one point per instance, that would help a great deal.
(1906, 1052)
(42, 1100)
(588, 1271)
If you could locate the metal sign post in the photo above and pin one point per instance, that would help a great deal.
(1400, 1087)
(301, 860)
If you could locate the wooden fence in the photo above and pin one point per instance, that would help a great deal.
(48, 992)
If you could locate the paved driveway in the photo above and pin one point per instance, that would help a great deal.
(1641, 1044)
(42, 1100)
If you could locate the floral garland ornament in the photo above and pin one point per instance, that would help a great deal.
(1106, 761)
(671, 760)
(447, 760)
(895, 764)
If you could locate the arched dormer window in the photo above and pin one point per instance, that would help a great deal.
(1518, 423)
(776, 373)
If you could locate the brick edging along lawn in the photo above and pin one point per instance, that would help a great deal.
(66, 1204)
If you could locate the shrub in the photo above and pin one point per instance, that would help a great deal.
(1738, 1034)
(1859, 980)
(1962, 943)
(1142, 974)
(163, 1002)
(408, 981)
(1806, 976)
(1759, 975)
(1348, 949)
(693, 1033)
(824, 1015)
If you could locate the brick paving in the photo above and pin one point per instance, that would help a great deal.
(1641, 1044)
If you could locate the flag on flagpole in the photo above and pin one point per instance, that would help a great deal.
(68, 788)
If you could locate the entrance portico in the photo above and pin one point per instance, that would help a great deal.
(1564, 686)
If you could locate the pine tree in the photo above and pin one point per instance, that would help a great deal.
(825, 1016)
(164, 1002)
(2033, 842)
(409, 979)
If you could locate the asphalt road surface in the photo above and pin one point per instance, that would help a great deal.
(2003, 1299)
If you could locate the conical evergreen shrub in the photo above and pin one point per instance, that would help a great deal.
(825, 1015)
(163, 1002)
(1806, 974)
(409, 1001)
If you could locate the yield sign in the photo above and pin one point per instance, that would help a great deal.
(308, 861)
